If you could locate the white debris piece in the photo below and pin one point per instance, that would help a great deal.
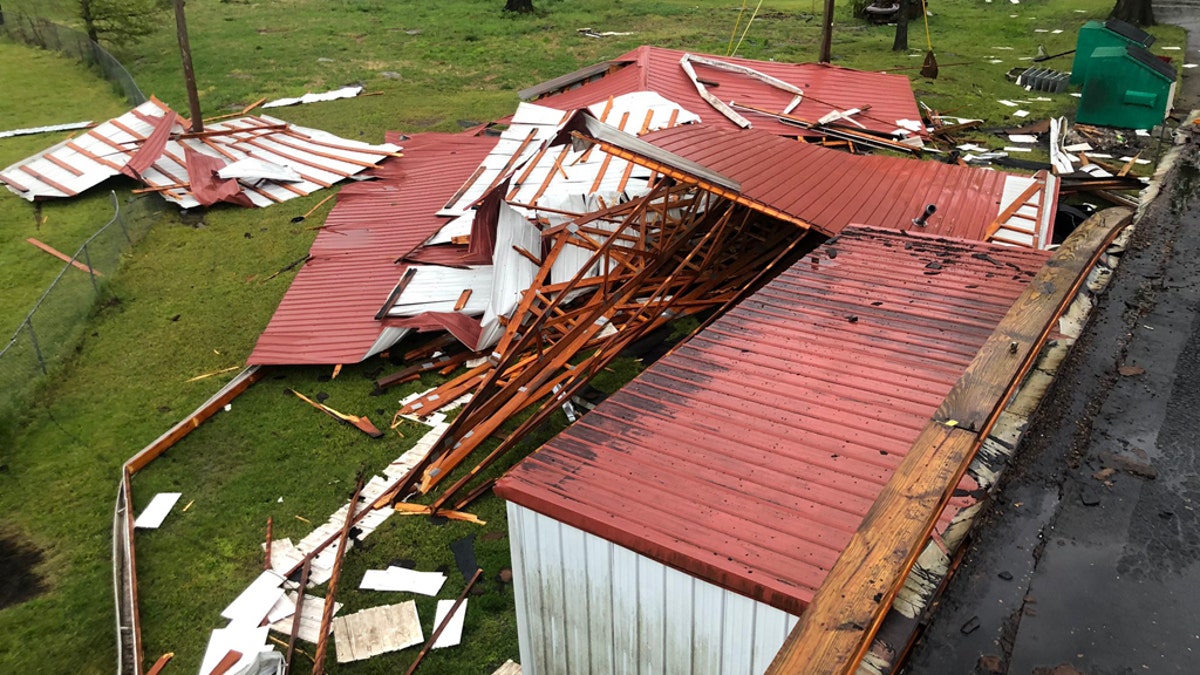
(333, 95)
(247, 641)
(1012, 148)
(1021, 113)
(252, 606)
(156, 511)
(70, 126)
(451, 635)
(252, 170)
(1078, 147)
(1022, 138)
(404, 580)
(1007, 103)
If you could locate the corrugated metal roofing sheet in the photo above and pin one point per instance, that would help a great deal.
(749, 456)
(328, 313)
(827, 88)
(833, 189)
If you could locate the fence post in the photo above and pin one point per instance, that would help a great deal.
(91, 271)
(119, 216)
(37, 349)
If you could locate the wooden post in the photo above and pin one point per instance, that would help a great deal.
(826, 32)
(189, 75)
(330, 595)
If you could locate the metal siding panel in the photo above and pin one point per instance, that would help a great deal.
(679, 623)
(737, 638)
(600, 603)
(553, 596)
(652, 616)
(770, 630)
(519, 544)
(708, 601)
(540, 612)
(576, 612)
(625, 611)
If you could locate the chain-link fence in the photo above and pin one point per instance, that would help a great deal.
(49, 333)
(41, 32)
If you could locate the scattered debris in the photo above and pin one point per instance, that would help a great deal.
(312, 608)
(1130, 371)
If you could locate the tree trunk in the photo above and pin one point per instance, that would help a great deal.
(89, 23)
(900, 44)
(1136, 12)
(521, 6)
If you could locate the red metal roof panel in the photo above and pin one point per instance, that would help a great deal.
(827, 88)
(833, 189)
(750, 454)
(328, 314)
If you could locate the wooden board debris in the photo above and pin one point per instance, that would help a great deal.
(377, 630)
(509, 667)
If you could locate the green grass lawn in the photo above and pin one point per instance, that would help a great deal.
(192, 297)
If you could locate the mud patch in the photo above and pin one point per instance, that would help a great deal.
(19, 581)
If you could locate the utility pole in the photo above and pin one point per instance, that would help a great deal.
(827, 32)
(189, 75)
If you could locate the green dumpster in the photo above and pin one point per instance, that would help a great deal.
(1096, 34)
(1126, 87)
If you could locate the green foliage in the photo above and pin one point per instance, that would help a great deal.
(121, 22)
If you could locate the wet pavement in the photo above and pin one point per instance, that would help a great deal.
(1089, 560)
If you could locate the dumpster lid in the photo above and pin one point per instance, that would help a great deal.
(1129, 32)
(1151, 61)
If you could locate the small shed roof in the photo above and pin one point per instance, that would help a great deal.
(827, 88)
(749, 455)
(328, 313)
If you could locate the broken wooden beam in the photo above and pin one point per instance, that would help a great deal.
(361, 423)
(837, 627)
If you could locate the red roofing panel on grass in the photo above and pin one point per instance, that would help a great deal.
(749, 455)
(827, 88)
(833, 189)
(328, 313)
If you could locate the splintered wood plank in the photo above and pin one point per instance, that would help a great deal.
(377, 630)
(838, 625)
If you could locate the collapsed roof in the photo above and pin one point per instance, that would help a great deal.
(249, 160)
(826, 89)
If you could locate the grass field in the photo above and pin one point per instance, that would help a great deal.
(192, 297)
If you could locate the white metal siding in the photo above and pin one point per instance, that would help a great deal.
(587, 605)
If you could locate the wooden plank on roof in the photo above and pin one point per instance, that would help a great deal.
(837, 627)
